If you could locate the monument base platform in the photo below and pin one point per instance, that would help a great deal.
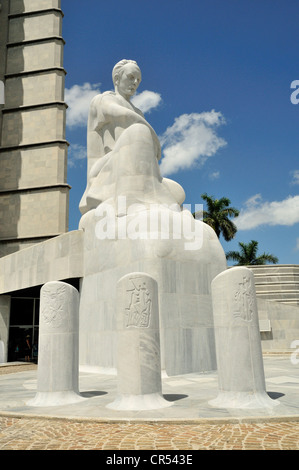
(184, 289)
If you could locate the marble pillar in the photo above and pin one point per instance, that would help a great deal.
(138, 351)
(2, 352)
(238, 344)
(4, 324)
(58, 366)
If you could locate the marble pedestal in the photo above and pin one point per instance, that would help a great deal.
(238, 343)
(184, 278)
(58, 366)
(2, 352)
(138, 345)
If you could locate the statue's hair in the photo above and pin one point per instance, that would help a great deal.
(117, 69)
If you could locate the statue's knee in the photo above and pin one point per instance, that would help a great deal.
(140, 131)
(136, 134)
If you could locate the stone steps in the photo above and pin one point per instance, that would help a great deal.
(270, 269)
(278, 283)
(282, 277)
(277, 286)
(285, 297)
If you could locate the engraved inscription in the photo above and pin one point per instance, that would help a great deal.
(138, 311)
(244, 300)
(52, 311)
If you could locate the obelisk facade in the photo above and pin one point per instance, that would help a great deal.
(34, 192)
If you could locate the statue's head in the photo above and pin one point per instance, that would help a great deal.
(126, 76)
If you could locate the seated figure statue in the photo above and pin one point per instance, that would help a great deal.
(152, 233)
(123, 150)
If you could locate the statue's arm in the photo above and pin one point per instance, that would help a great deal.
(125, 117)
(115, 112)
(106, 110)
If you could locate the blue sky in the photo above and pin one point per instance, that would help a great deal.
(216, 87)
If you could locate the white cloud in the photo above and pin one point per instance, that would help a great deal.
(78, 98)
(258, 212)
(215, 175)
(295, 176)
(190, 141)
(76, 153)
(146, 100)
(253, 201)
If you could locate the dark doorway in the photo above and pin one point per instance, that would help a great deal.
(24, 323)
(23, 330)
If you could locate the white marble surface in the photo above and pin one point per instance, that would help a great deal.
(2, 352)
(55, 259)
(138, 344)
(184, 277)
(58, 365)
(238, 343)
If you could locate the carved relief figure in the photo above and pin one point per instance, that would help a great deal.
(139, 310)
(52, 306)
(244, 300)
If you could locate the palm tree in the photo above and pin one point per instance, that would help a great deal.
(217, 216)
(248, 255)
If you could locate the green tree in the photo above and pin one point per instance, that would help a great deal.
(248, 255)
(217, 216)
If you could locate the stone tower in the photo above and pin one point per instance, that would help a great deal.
(33, 154)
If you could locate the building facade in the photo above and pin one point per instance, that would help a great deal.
(34, 193)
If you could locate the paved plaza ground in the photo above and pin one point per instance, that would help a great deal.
(56, 434)
(189, 424)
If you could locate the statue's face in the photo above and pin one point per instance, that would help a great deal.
(128, 82)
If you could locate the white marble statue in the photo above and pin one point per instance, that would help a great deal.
(134, 221)
(123, 150)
